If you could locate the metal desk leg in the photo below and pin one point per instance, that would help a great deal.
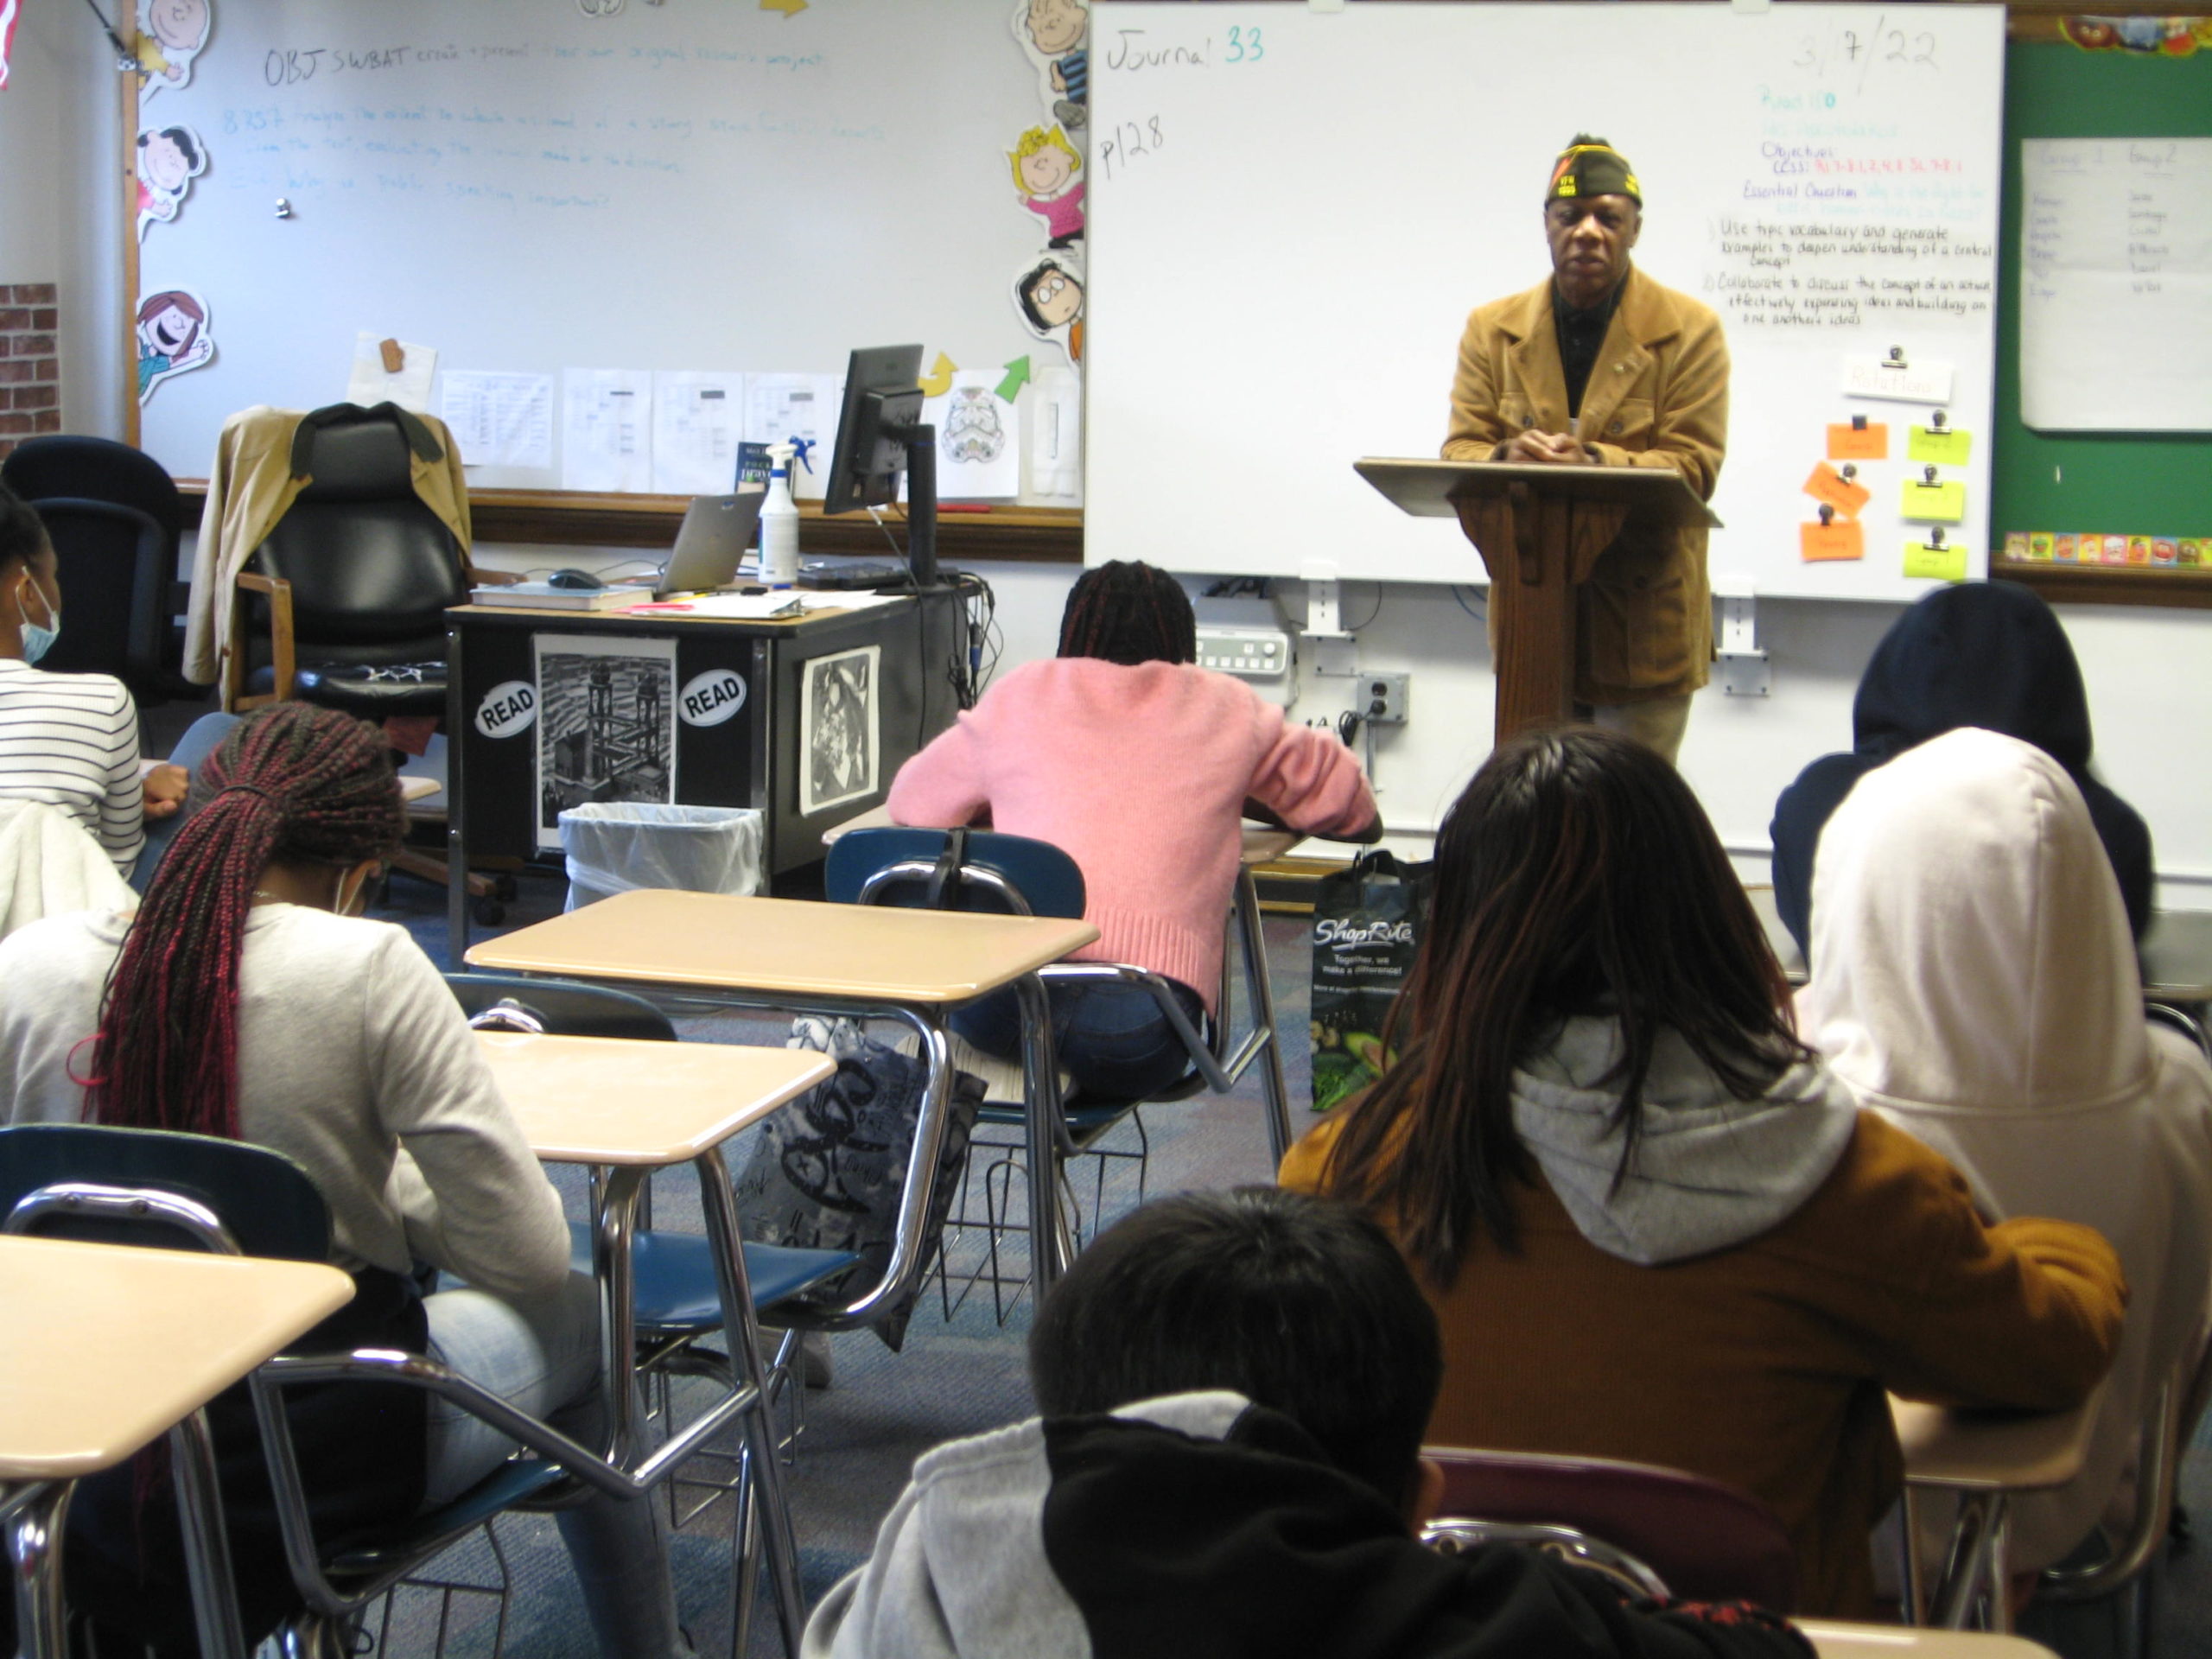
(34, 1519)
(1261, 994)
(614, 1230)
(1050, 1249)
(1909, 1574)
(743, 1335)
(206, 1544)
(457, 855)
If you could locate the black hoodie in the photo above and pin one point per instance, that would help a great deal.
(1989, 654)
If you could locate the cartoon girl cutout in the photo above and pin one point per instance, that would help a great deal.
(1049, 295)
(169, 158)
(173, 337)
(170, 35)
(1045, 165)
(1054, 32)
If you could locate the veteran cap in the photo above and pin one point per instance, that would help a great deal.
(1591, 167)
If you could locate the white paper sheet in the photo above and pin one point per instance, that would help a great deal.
(698, 419)
(2116, 284)
(369, 385)
(753, 608)
(978, 439)
(1055, 435)
(780, 406)
(499, 420)
(607, 431)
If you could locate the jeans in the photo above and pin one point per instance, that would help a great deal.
(1112, 1039)
(541, 1354)
(199, 741)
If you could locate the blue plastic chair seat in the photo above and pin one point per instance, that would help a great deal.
(674, 1276)
(507, 1487)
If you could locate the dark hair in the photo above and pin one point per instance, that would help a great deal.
(1128, 612)
(290, 784)
(1300, 1303)
(181, 137)
(1044, 267)
(22, 533)
(1576, 875)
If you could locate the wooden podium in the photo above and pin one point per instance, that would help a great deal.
(1540, 530)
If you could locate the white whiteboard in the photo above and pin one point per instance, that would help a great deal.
(1301, 208)
(2116, 245)
(699, 185)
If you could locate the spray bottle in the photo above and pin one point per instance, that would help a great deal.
(779, 521)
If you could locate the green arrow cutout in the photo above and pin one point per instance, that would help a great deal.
(1017, 375)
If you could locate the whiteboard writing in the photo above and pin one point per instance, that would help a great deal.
(2116, 284)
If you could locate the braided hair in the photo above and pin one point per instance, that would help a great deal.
(292, 783)
(1128, 612)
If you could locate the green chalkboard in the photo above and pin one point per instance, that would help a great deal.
(2148, 483)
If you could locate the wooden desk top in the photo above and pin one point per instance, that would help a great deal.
(1833, 1640)
(108, 1347)
(786, 947)
(601, 1100)
(1262, 844)
(1993, 1450)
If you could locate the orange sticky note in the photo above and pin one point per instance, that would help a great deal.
(1829, 485)
(1843, 539)
(1868, 442)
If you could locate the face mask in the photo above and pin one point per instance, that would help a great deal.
(37, 640)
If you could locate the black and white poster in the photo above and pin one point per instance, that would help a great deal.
(605, 723)
(837, 730)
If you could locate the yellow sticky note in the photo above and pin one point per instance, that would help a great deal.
(1868, 442)
(1944, 445)
(1943, 563)
(1843, 538)
(1933, 503)
(1828, 484)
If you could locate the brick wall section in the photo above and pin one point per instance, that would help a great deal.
(31, 374)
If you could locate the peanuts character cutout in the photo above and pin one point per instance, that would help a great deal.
(1050, 296)
(1045, 166)
(170, 34)
(1054, 32)
(173, 337)
(169, 159)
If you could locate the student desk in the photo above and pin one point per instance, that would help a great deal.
(1985, 1457)
(633, 1108)
(107, 1347)
(734, 717)
(1833, 1640)
(867, 962)
(2177, 954)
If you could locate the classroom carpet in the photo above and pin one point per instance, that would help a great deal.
(960, 1371)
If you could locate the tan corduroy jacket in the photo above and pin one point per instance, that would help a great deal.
(1656, 397)
(1766, 1365)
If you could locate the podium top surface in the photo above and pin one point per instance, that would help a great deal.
(1431, 489)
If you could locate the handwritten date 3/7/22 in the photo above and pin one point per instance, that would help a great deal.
(1127, 140)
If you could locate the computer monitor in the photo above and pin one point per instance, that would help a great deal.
(880, 435)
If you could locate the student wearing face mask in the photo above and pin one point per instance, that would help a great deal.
(70, 741)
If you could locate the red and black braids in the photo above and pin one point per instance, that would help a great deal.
(292, 783)
(1128, 612)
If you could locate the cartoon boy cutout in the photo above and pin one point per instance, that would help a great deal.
(172, 337)
(171, 33)
(1050, 298)
(1045, 165)
(1056, 30)
(169, 158)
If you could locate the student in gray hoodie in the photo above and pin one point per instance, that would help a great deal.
(1234, 1387)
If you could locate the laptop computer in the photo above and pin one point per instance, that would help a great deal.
(716, 529)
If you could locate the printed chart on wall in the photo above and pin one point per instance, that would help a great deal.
(1293, 212)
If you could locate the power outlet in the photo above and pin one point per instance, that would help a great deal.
(1380, 698)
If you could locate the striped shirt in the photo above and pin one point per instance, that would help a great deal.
(71, 740)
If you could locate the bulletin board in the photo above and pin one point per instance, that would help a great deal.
(704, 189)
(1294, 211)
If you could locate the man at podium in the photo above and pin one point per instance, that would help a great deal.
(1601, 366)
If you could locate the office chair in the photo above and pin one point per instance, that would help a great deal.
(115, 521)
(153, 1188)
(344, 603)
(986, 870)
(1696, 1538)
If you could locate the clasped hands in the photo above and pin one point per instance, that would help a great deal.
(1546, 449)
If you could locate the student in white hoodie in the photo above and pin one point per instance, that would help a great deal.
(1975, 983)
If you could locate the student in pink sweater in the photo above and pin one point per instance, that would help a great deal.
(1139, 765)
